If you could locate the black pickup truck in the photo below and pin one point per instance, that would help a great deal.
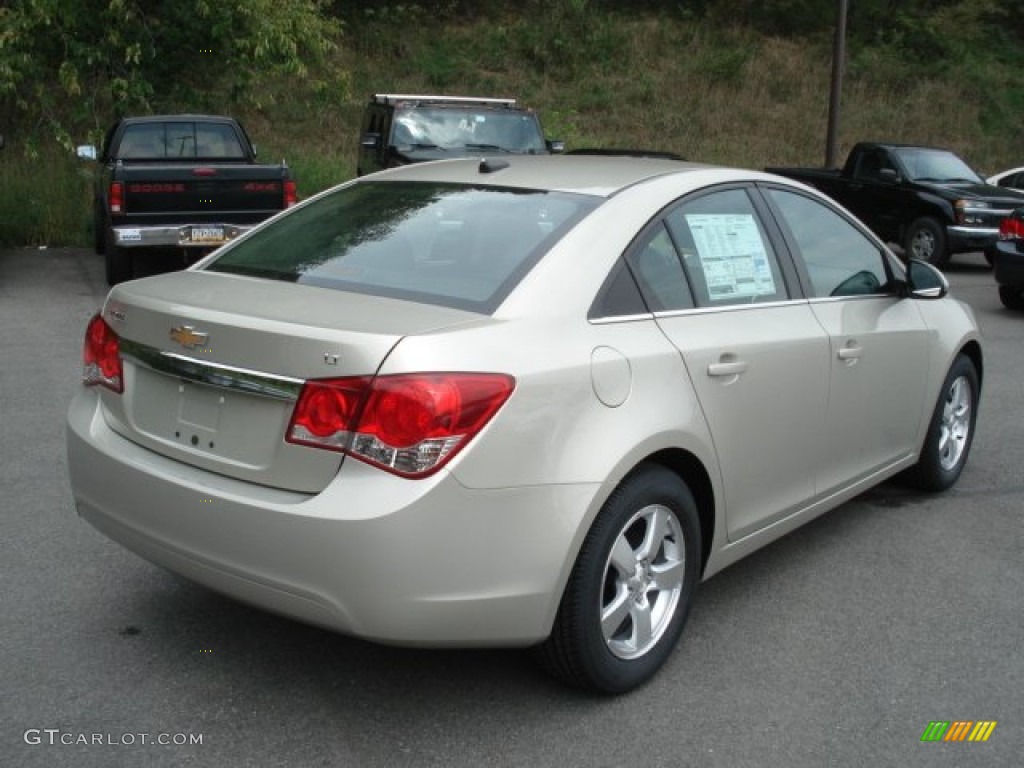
(925, 199)
(180, 181)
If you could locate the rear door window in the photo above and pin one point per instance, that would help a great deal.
(725, 251)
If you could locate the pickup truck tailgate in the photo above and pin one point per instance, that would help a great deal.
(206, 189)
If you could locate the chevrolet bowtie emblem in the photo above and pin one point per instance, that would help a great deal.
(188, 336)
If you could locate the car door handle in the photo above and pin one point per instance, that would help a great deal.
(727, 368)
(851, 352)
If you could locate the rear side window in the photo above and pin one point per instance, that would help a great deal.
(655, 264)
(453, 245)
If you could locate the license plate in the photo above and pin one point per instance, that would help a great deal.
(207, 235)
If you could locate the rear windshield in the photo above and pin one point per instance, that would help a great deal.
(180, 140)
(452, 245)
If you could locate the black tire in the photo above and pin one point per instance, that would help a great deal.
(118, 261)
(650, 502)
(925, 239)
(1012, 297)
(950, 431)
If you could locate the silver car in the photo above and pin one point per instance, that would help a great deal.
(517, 402)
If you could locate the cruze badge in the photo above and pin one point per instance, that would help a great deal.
(188, 336)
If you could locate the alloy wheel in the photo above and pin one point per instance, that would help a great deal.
(956, 423)
(643, 580)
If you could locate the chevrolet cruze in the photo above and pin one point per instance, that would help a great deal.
(516, 402)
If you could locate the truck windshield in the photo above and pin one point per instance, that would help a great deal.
(453, 245)
(935, 165)
(448, 128)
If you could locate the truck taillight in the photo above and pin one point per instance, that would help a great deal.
(291, 193)
(408, 424)
(1011, 228)
(115, 197)
(101, 356)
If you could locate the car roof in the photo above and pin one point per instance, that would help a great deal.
(584, 174)
(900, 145)
(412, 99)
(178, 118)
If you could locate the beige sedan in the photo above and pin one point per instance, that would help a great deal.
(522, 402)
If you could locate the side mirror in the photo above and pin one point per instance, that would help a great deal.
(86, 151)
(370, 142)
(254, 150)
(925, 281)
(555, 146)
(888, 174)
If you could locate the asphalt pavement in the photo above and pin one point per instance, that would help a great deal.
(836, 646)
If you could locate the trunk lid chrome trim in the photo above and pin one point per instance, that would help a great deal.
(214, 374)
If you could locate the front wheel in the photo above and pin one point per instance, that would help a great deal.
(926, 240)
(630, 590)
(951, 429)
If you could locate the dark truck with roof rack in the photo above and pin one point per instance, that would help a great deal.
(925, 199)
(181, 181)
(399, 129)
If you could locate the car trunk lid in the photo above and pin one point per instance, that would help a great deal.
(211, 380)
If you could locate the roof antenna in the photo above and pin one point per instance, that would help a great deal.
(490, 165)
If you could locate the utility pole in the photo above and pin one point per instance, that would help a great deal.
(838, 60)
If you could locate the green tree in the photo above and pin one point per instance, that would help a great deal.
(73, 64)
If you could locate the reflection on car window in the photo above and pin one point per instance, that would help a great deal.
(180, 140)
(840, 260)
(924, 164)
(726, 254)
(871, 164)
(448, 128)
(143, 142)
(447, 244)
(655, 265)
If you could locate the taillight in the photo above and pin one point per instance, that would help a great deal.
(115, 197)
(101, 356)
(1011, 228)
(409, 424)
(291, 193)
(326, 411)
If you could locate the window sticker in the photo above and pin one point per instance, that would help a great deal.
(732, 255)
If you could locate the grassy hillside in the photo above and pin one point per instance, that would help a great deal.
(712, 94)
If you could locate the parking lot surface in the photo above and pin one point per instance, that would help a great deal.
(836, 646)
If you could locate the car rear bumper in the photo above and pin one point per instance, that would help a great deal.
(178, 236)
(424, 563)
(966, 239)
(1008, 264)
